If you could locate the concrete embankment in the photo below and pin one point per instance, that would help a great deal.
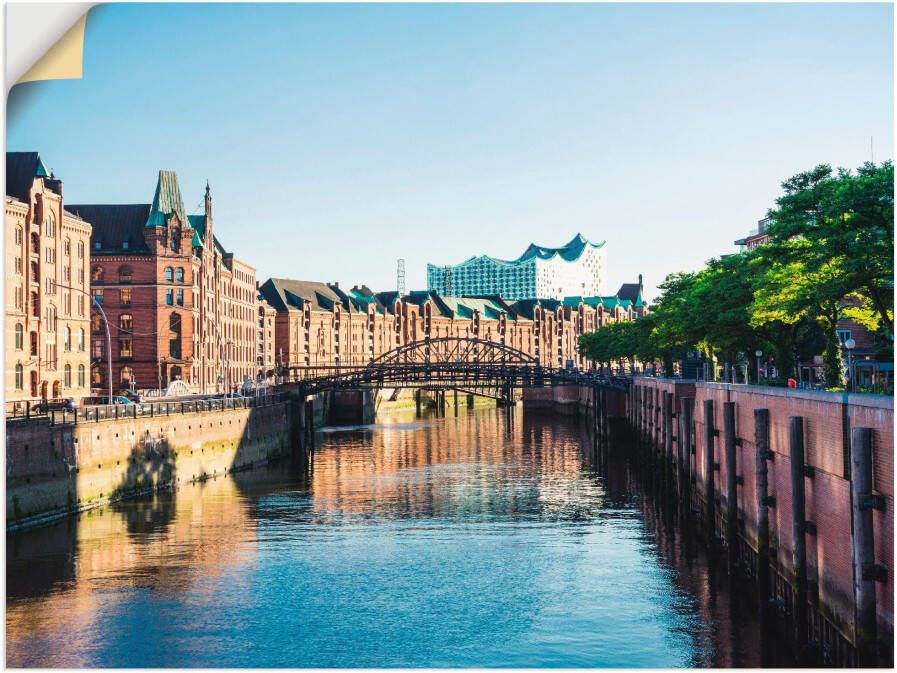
(53, 470)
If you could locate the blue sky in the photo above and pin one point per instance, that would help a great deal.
(338, 138)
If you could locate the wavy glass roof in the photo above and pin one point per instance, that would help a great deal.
(570, 252)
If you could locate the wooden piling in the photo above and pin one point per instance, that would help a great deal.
(731, 483)
(761, 442)
(798, 540)
(667, 430)
(863, 546)
(455, 391)
(417, 402)
(709, 431)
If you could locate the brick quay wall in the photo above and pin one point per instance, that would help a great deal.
(56, 470)
(827, 556)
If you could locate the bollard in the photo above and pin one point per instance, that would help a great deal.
(761, 442)
(709, 431)
(798, 541)
(863, 546)
(731, 483)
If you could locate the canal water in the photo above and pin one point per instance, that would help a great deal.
(477, 540)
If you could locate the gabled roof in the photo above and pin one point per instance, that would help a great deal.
(167, 201)
(21, 169)
(286, 294)
(632, 292)
(114, 225)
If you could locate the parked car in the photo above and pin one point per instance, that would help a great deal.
(130, 394)
(57, 404)
(100, 400)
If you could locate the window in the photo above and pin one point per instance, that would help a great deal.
(20, 377)
(35, 244)
(179, 275)
(81, 340)
(126, 322)
(81, 276)
(67, 338)
(169, 297)
(175, 239)
(124, 274)
(96, 322)
(34, 343)
(125, 296)
(49, 286)
(80, 376)
(98, 295)
(81, 305)
(67, 376)
(51, 318)
(20, 336)
(50, 225)
(98, 348)
(174, 340)
(18, 235)
(97, 376)
(843, 335)
(80, 249)
(67, 247)
(169, 274)
(124, 347)
(180, 298)
(97, 274)
(19, 266)
(127, 375)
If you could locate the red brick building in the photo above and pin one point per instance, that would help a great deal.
(319, 324)
(179, 307)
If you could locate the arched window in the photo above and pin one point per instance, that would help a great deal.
(20, 336)
(67, 338)
(176, 239)
(20, 377)
(127, 375)
(174, 339)
(179, 275)
(81, 340)
(97, 274)
(124, 274)
(67, 376)
(19, 236)
(81, 376)
(50, 225)
(169, 274)
(67, 247)
(80, 249)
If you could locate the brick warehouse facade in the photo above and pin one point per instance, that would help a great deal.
(47, 305)
(319, 324)
(180, 308)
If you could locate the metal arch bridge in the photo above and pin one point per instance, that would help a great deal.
(444, 362)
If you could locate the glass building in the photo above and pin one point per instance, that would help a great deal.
(575, 269)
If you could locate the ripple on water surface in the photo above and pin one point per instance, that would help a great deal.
(451, 542)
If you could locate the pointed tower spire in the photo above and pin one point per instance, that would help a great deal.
(208, 232)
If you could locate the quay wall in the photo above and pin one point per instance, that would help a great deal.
(570, 400)
(827, 422)
(53, 470)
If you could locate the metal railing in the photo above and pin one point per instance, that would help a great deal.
(106, 412)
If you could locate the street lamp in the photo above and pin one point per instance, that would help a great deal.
(759, 354)
(108, 336)
(850, 344)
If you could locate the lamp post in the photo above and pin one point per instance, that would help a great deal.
(108, 336)
(759, 354)
(850, 344)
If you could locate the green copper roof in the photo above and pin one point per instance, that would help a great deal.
(198, 222)
(41, 171)
(166, 201)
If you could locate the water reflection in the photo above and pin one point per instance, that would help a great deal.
(445, 542)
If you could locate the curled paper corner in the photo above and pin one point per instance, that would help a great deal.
(64, 60)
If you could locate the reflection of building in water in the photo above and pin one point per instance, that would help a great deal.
(172, 544)
(375, 470)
